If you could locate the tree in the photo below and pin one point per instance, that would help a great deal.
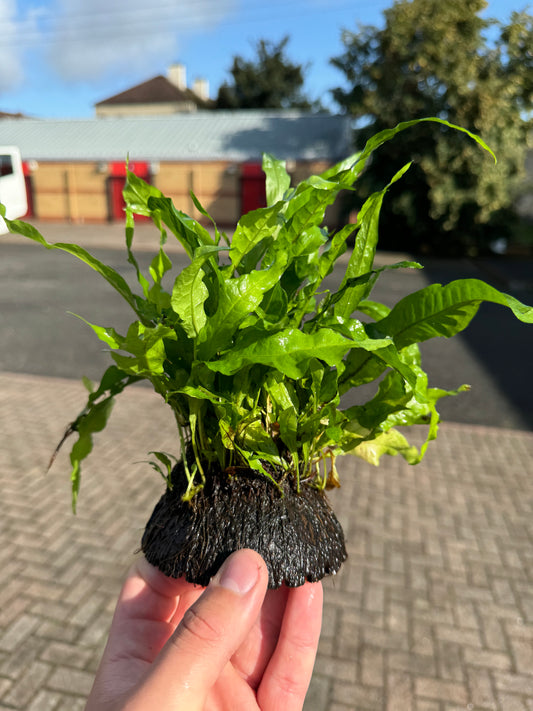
(433, 58)
(272, 81)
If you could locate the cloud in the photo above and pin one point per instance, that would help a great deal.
(19, 33)
(94, 39)
(11, 72)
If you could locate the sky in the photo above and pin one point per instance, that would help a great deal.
(59, 57)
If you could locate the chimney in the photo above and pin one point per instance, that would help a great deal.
(201, 89)
(177, 75)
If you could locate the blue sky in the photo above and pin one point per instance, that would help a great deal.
(59, 57)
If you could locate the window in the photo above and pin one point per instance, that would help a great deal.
(6, 165)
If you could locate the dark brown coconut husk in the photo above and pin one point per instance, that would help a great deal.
(296, 533)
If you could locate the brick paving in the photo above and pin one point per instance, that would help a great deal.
(433, 610)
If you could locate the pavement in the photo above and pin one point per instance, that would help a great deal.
(433, 610)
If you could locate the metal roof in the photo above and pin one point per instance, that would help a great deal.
(200, 136)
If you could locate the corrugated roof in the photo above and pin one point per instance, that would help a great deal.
(209, 135)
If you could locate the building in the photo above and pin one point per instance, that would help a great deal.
(76, 168)
(159, 96)
(5, 115)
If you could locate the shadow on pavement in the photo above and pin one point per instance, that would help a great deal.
(501, 344)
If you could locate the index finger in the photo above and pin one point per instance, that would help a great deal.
(149, 594)
(148, 611)
(287, 676)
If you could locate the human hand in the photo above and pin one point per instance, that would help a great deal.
(232, 646)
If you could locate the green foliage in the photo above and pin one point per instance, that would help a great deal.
(253, 353)
(433, 58)
(271, 81)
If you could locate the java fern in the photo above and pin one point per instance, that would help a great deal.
(253, 353)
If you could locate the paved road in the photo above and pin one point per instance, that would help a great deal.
(433, 610)
(38, 287)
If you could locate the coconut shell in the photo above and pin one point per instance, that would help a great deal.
(296, 533)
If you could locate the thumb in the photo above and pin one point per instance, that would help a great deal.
(207, 637)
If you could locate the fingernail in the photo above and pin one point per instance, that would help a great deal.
(238, 574)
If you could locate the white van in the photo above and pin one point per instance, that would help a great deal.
(12, 185)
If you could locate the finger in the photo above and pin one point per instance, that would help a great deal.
(207, 637)
(255, 653)
(143, 619)
(148, 594)
(231, 692)
(288, 674)
(188, 598)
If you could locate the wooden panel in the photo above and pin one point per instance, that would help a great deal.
(214, 185)
(70, 191)
(89, 207)
(50, 177)
(78, 191)
(225, 211)
(51, 206)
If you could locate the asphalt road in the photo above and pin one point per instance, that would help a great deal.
(38, 287)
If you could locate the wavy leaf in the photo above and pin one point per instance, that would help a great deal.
(444, 311)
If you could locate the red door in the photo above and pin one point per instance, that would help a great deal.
(253, 190)
(115, 185)
(29, 189)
